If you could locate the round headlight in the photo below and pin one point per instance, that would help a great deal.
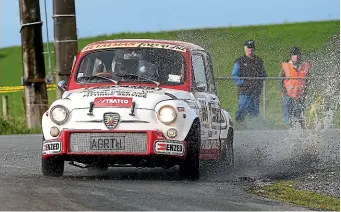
(59, 114)
(167, 114)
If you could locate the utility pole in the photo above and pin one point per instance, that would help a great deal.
(36, 102)
(65, 38)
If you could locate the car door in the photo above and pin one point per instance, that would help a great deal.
(206, 100)
(199, 91)
(213, 100)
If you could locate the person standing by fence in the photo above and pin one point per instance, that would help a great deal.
(249, 90)
(293, 91)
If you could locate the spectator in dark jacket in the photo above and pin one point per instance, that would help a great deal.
(249, 90)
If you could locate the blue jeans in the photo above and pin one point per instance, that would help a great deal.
(247, 104)
(292, 109)
(286, 107)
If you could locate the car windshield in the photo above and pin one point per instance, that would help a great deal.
(146, 65)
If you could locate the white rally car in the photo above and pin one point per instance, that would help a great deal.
(139, 103)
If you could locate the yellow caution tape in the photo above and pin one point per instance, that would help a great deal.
(12, 89)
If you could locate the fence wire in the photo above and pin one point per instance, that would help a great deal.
(270, 99)
(322, 97)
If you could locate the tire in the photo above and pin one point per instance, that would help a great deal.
(227, 159)
(190, 167)
(53, 167)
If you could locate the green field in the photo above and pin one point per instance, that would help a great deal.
(225, 45)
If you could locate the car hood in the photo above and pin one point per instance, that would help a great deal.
(144, 97)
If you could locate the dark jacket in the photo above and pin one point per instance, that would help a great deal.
(249, 67)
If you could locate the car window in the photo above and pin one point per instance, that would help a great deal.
(162, 65)
(209, 74)
(199, 70)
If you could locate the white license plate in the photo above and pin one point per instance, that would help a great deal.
(107, 142)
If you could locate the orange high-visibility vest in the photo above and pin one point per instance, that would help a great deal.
(294, 87)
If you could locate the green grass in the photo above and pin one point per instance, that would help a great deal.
(285, 191)
(225, 45)
(15, 126)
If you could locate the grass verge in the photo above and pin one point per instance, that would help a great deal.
(15, 126)
(285, 191)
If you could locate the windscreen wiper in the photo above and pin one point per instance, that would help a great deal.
(100, 77)
(138, 76)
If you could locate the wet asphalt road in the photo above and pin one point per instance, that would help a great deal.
(258, 153)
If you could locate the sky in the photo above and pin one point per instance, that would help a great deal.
(114, 16)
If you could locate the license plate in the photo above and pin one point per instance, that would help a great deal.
(107, 142)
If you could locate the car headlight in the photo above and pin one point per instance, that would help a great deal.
(59, 114)
(167, 114)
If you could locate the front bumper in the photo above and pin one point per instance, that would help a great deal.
(112, 143)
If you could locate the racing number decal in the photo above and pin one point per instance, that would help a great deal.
(215, 114)
(214, 111)
(204, 111)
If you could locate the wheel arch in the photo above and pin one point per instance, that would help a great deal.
(195, 124)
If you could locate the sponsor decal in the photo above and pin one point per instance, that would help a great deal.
(113, 102)
(170, 148)
(174, 78)
(110, 45)
(52, 147)
(181, 109)
(210, 144)
(91, 93)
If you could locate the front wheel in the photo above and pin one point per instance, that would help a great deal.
(227, 158)
(53, 167)
(190, 167)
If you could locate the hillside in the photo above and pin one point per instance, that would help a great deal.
(224, 44)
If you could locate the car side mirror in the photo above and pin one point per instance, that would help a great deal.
(62, 85)
(201, 87)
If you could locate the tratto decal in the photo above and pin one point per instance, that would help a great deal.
(113, 101)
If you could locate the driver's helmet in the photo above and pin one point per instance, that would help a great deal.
(125, 61)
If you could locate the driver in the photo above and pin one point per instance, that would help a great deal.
(131, 62)
(122, 61)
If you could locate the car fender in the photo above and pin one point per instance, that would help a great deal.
(227, 124)
(47, 123)
(186, 114)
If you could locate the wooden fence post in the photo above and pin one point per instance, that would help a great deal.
(5, 107)
(24, 104)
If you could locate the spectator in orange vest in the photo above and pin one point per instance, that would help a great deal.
(293, 91)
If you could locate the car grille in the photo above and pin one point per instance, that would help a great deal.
(108, 142)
